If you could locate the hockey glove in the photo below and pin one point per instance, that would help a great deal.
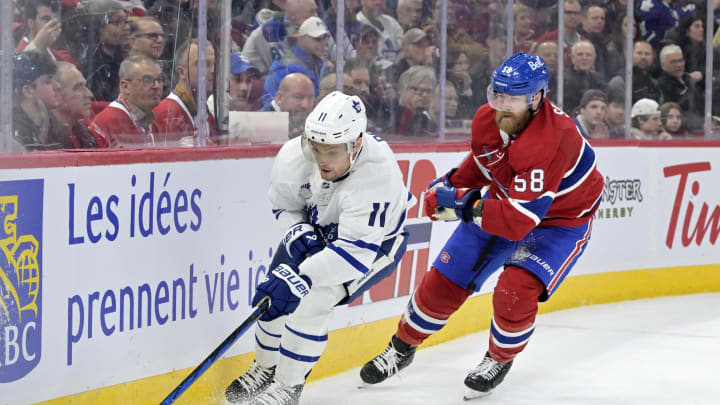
(442, 181)
(285, 287)
(450, 203)
(302, 241)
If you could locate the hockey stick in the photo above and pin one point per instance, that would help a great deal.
(209, 360)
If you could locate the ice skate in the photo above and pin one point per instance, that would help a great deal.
(397, 356)
(256, 380)
(279, 394)
(485, 377)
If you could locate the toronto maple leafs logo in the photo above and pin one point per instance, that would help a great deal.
(312, 213)
(356, 106)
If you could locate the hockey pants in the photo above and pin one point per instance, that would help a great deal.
(295, 342)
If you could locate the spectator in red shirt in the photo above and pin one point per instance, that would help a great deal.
(42, 19)
(128, 121)
(74, 110)
(572, 19)
(175, 116)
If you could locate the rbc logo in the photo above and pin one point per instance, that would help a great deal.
(21, 209)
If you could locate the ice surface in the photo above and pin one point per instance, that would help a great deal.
(654, 351)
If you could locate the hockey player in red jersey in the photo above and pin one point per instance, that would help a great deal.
(534, 221)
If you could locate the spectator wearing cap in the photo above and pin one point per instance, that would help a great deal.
(590, 119)
(43, 29)
(110, 41)
(678, 86)
(307, 58)
(417, 50)
(175, 115)
(351, 31)
(245, 88)
(35, 91)
(296, 96)
(643, 83)
(645, 117)
(270, 42)
(615, 115)
(74, 111)
(391, 33)
(128, 121)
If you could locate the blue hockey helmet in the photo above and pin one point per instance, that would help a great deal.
(520, 75)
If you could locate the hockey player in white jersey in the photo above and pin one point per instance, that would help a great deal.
(340, 194)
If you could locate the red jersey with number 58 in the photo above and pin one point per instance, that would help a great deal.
(545, 175)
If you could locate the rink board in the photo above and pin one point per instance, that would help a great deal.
(131, 266)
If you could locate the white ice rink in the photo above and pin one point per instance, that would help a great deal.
(655, 351)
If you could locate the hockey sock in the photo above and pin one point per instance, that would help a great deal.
(430, 307)
(514, 309)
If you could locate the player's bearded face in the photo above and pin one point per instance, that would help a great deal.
(512, 122)
(332, 160)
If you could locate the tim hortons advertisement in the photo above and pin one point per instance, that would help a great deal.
(115, 273)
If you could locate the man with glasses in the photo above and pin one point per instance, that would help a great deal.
(571, 21)
(534, 222)
(175, 116)
(128, 121)
(417, 85)
(146, 37)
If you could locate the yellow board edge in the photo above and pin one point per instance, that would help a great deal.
(371, 338)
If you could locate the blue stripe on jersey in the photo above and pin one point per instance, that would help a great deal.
(410, 196)
(277, 213)
(298, 357)
(401, 221)
(361, 244)
(315, 338)
(348, 258)
(538, 206)
(262, 346)
(507, 340)
(268, 333)
(587, 160)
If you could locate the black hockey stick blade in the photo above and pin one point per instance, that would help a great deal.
(222, 348)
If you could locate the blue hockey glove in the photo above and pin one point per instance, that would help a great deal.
(450, 203)
(442, 181)
(302, 241)
(285, 287)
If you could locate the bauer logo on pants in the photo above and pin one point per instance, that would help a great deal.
(21, 209)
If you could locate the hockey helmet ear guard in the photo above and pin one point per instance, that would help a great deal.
(337, 119)
(515, 83)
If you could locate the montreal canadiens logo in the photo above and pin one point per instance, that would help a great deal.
(445, 257)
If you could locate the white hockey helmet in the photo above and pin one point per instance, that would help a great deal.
(337, 119)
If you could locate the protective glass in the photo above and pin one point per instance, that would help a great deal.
(507, 102)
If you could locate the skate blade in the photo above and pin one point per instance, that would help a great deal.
(471, 394)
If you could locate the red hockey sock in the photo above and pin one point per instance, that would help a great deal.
(514, 309)
(430, 307)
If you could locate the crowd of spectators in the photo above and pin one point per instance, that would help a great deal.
(112, 73)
